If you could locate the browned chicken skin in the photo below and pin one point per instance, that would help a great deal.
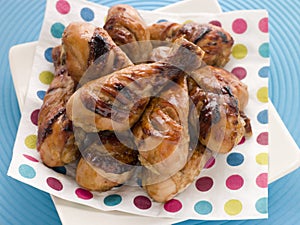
(106, 159)
(89, 178)
(220, 81)
(116, 101)
(86, 47)
(220, 124)
(162, 132)
(214, 40)
(55, 135)
(129, 31)
(165, 190)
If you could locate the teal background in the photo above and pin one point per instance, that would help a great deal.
(21, 21)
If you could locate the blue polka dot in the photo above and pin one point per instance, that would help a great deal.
(139, 182)
(262, 117)
(203, 207)
(264, 50)
(162, 20)
(87, 14)
(60, 169)
(112, 200)
(41, 94)
(27, 171)
(261, 205)
(57, 30)
(235, 159)
(48, 55)
(264, 72)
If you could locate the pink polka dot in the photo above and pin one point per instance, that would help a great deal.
(239, 26)
(210, 163)
(83, 194)
(262, 180)
(34, 116)
(54, 183)
(234, 182)
(173, 205)
(262, 138)
(30, 158)
(239, 72)
(63, 7)
(142, 202)
(216, 23)
(263, 25)
(204, 184)
(242, 141)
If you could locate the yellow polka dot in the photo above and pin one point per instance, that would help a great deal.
(233, 207)
(188, 21)
(239, 51)
(262, 158)
(46, 77)
(30, 141)
(262, 94)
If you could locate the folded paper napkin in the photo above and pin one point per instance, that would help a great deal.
(232, 186)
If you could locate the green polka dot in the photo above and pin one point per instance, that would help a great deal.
(112, 200)
(57, 30)
(46, 77)
(233, 207)
(30, 141)
(27, 171)
(262, 94)
(239, 51)
(264, 50)
(261, 205)
(262, 158)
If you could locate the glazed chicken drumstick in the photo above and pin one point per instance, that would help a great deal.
(129, 31)
(213, 40)
(162, 134)
(84, 47)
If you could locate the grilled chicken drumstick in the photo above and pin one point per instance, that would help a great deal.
(221, 126)
(214, 40)
(129, 31)
(86, 46)
(106, 162)
(162, 191)
(55, 134)
(162, 134)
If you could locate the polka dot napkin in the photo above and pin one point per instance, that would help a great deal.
(232, 186)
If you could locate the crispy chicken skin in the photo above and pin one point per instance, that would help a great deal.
(88, 47)
(214, 40)
(106, 161)
(55, 136)
(165, 190)
(116, 101)
(129, 31)
(220, 125)
(164, 31)
(221, 81)
(76, 49)
(162, 132)
(89, 178)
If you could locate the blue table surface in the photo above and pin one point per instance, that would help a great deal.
(21, 21)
